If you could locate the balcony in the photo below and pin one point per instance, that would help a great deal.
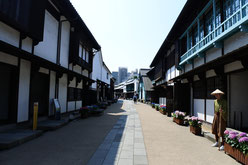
(237, 21)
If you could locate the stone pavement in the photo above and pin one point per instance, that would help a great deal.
(171, 144)
(124, 144)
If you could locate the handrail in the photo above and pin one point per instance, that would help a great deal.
(215, 34)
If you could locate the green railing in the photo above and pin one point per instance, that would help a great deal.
(219, 33)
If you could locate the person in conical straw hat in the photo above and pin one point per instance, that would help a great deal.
(220, 117)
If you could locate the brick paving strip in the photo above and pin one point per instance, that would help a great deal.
(124, 144)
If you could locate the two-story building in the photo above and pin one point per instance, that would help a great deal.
(46, 52)
(145, 86)
(210, 41)
(104, 83)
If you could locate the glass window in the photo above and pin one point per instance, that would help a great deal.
(195, 36)
(87, 56)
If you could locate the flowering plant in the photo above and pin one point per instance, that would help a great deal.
(195, 121)
(157, 106)
(153, 105)
(163, 107)
(232, 138)
(179, 115)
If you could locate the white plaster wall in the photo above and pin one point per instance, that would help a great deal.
(63, 92)
(9, 35)
(8, 59)
(198, 62)
(177, 72)
(188, 67)
(210, 110)
(236, 65)
(173, 72)
(167, 75)
(238, 97)
(199, 105)
(65, 43)
(236, 41)
(27, 44)
(77, 69)
(212, 54)
(210, 73)
(85, 73)
(196, 78)
(47, 49)
(104, 76)
(52, 92)
(44, 70)
(71, 104)
(70, 66)
(23, 95)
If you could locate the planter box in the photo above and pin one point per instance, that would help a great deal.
(230, 150)
(178, 121)
(157, 108)
(235, 153)
(162, 112)
(195, 130)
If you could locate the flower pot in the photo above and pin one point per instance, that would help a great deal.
(230, 150)
(162, 112)
(178, 121)
(195, 130)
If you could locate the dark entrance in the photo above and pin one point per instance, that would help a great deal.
(182, 97)
(39, 92)
(8, 93)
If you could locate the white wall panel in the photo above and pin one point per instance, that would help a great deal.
(78, 105)
(213, 54)
(188, 67)
(236, 65)
(198, 62)
(9, 35)
(210, 73)
(47, 49)
(44, 70)
(71, 106)
(63, 92)
(52, 92)
(8, 59)
(85, 73)
(27, 44)
(77, 69)
(235, 42)
(65, 42)
(210, 110)
(23, 95)
(199, 105)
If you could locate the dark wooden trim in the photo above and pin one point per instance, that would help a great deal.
(52, 11)
(49, 86)
(59, 43)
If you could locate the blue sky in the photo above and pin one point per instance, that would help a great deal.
(130, 32)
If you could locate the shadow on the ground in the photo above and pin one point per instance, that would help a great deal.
(109, 150)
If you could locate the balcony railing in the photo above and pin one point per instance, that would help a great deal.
(226, 28)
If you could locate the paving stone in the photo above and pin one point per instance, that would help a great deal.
(125, 162)
(140, 160)
(138, 151)
(126, 154)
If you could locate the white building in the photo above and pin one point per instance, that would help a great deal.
(46, 52)
(102, 76)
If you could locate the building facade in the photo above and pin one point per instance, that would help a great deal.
(145, 86)
(122, 74)
(207, 49)
(46, 52)
(104, 82)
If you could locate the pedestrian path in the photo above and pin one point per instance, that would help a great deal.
(124, 144)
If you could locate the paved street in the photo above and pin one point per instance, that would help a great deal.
(126, 134)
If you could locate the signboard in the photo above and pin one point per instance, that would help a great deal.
(57, 109)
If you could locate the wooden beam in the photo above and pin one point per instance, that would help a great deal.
(243, 28)
(218, 44)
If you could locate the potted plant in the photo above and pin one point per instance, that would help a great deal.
(153, 105)
(84, 111)
(178, 117)
(231, 142)
(241, 154)
(195, 125)
(157, 107)
(162, 109)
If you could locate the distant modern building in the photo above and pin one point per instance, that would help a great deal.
(122, 74)
(115, 75)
